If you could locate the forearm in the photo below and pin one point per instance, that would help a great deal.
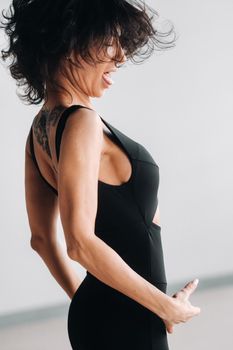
(106, 264)
(59, 265)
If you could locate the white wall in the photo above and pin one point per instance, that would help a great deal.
(179, 105)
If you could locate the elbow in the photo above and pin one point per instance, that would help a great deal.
(74, 251)
(78, 249)
(41, 242)
(36, 242)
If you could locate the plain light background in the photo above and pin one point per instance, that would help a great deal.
(179, 105)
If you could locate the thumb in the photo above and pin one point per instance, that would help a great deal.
(196, 310)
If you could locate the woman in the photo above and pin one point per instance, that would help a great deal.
(103, 183)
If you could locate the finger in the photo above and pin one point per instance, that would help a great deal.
(186, 291)
(181, 294)
(190, 287)
(169, 327)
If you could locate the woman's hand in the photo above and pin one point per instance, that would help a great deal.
(180, 309)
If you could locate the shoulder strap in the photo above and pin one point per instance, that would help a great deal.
(129, 145)
(35, 161)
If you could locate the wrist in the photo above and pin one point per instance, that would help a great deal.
(167, 306)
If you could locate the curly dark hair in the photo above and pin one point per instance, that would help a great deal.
(42, 32)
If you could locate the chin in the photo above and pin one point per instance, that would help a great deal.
(99, 93)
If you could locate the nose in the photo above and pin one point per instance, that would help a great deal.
(121, 54)
(124, 59)
(120, 63)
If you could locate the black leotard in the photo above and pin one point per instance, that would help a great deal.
(100, 317)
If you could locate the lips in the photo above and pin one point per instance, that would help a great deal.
(107, 78)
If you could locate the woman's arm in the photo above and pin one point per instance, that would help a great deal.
(104, 263)
(80, 153)
(42, 210)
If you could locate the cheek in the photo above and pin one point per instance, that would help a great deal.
(96, 76)
(92, 78)
(94, 82)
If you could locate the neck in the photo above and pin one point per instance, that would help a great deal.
(60, 98)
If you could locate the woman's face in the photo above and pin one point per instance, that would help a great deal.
(92, 80)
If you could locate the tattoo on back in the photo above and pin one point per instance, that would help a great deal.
(42, 123)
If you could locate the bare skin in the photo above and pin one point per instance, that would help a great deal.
(107, 162)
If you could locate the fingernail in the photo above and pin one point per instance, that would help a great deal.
(196, 281)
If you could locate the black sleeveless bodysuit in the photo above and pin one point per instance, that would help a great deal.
(99, 316)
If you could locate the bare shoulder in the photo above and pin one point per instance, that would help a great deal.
(84, 118)
(82, 135)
